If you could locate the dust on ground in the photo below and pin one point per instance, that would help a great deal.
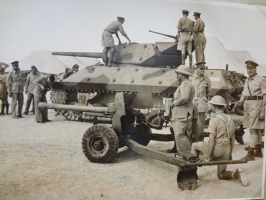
(45, 161)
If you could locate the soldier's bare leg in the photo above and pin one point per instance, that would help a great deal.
(105, 57)
(111, 54)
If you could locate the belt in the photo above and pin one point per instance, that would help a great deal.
(254, 97)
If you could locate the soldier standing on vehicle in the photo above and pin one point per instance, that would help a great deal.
(3, 90)
(185, 27)
(202, 86)
(221, 141)
(15, 84)
(199, 38)
(254, 98)
(34, 74)
(183, 111)
(41, 86)
(108, 40)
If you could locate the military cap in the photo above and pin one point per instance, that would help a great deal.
(33, 67)
(121, 18)
(197, 13)
(75, 66)
(185, 11)
(250, 63)
(15, 63)
(183, 69)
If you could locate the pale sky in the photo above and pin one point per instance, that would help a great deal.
(77, 25)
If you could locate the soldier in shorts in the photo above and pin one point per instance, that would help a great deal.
(185, 27)
(254, 98)
(108, 40)
(221, 142)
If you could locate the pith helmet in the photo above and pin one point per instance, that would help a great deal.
(218, 100)
(183, 69)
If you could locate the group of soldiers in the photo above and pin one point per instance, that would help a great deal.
(35, 86)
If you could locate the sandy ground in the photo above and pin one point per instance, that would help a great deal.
(45, 161)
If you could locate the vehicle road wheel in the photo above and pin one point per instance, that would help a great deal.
(100, 143)
(239, 110)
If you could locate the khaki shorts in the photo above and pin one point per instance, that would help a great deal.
(251, 114)
(185, 42)
(107, 39)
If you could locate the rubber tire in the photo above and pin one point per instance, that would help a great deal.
(239, 111)
(105, 134)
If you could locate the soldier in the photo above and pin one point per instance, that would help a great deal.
(221, 141)
(183, 111)
(15, 84)
(3, 90)
(254, 98)
(41, 86)
(199, 38)
(69, 72)
(108, 40)
(185, 27)
(34, 74)
(202, 86)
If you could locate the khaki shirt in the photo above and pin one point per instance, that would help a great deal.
(199, 26)
(185, 25)
(37, 91)
(114, 27)
(29, 81)
(219, 129)
(183, 97)
(15, 82)
(254, 86)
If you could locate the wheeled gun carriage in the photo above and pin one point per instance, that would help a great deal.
(127, 105)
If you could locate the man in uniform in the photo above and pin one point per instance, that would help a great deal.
(199, 38)
(202, 86)
(254, 98)
(15, 84)
(41, 86)
(221, 141)
(3, 91)
(183, 111)
(34, 74)
(185, 27)
(108, 40)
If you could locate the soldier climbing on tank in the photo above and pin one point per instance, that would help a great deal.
(185, 27)
(108, 40)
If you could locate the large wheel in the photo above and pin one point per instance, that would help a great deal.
(100, 143)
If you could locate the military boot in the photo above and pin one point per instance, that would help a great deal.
(183, 57)
(258, 152)
(250, 154)
(240, 176)
(26, 111)
(190, 60)
(246, 148)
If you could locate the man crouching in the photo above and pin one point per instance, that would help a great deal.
(221, 141)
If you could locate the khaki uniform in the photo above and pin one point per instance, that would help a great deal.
(107, 38)
(202, 86)
(200, 40)
(15, 85)
(29, 87)
(3, 91)
(41, 115)
(185, 26)
(222, 127)
(254, 87)
(182, 115)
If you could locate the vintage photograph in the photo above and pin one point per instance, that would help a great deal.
(144, 99)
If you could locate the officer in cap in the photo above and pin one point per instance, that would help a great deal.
(199, 38)
(108, 40)
(15, 88)
(202, 86)
(182, 111)
(32, 76)
(3, 91)
(185, 26)
(253, 99)
(221, 142)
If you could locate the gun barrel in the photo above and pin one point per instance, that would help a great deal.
(224, 162)
(171, 36)
(73, 107)
(79, 54)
